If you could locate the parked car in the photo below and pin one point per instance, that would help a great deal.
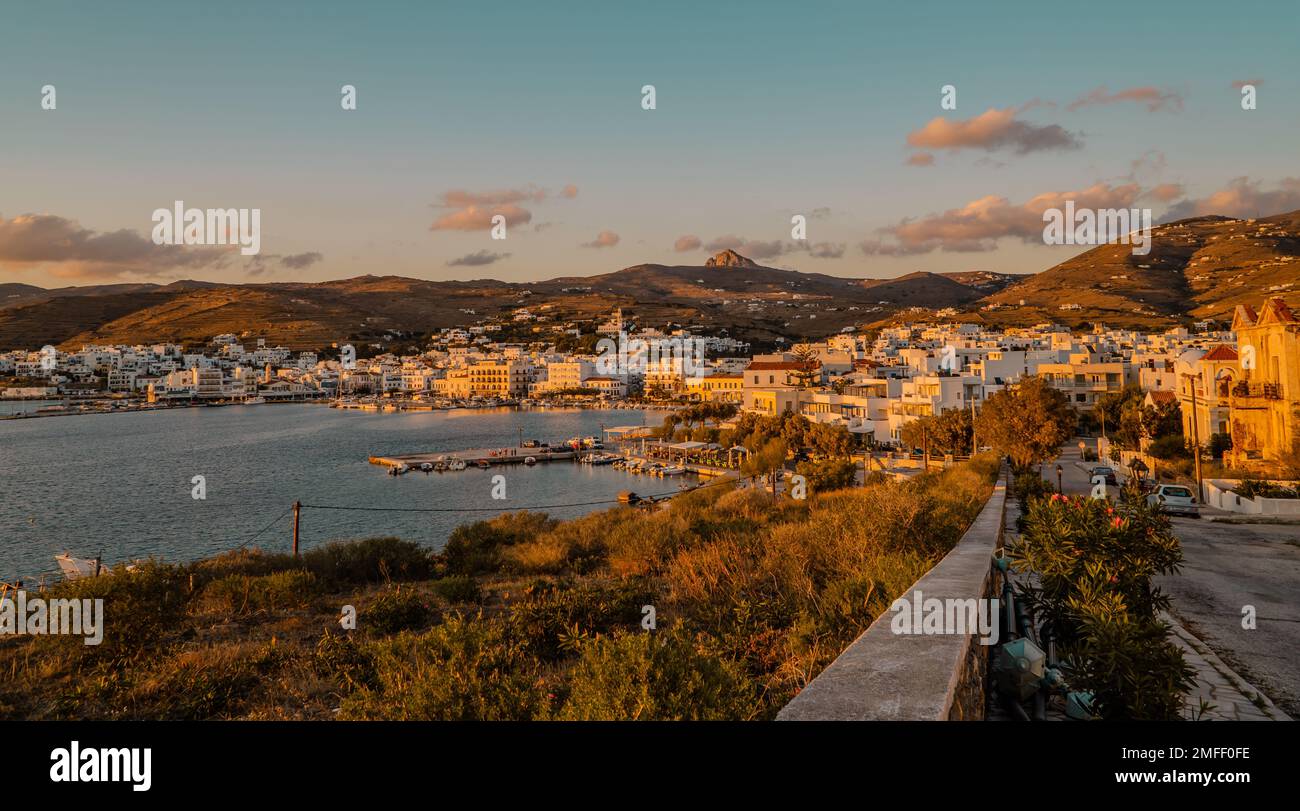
(1108, 472)
(1174, 498)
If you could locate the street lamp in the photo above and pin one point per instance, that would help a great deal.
(1059, 487)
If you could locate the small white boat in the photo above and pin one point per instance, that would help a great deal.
(77, 568)
(530, 460)
(426, 467)
(456, 464)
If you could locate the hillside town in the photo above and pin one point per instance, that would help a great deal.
(1241, 384)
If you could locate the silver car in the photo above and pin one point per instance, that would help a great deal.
(1174, 498)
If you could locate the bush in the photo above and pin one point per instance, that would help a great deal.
(554, 617)
(1257, 488)
(461, 670)
(242, 595)
(1094, 595)
(338, 656)
(458, 589)
(397, 610)
(639, 676)
(1169, 447)
(373, 560)
(143, 608)
(832, 474)
(477, 548)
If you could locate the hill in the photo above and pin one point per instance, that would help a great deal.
(1197, 269)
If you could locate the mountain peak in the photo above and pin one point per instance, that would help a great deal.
(729, 259)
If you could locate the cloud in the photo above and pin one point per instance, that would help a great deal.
(978, 225)
(771, 249)
(476, 259)
(1166, 192)
(826, 250)
(1242, 197)
(991, 130)
(473, 211)
(260, 264)
(921, 159)
(1240, 83)
(1154, 98)
(479, 218)
(689, 242)
(63, 248)
(605, 239)
(297, 261)
(754, 249)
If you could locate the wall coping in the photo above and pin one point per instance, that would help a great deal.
(883, 676)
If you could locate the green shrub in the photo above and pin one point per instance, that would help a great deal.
(831, 474)
(338, 656)
(372, 560)
(1094, 595)
(1257, 488)
(553, 616)
(242, 595)
(458, 589)
(476, 548)
(1169, 447)
(143, 608)
(656, 676)
(397, 610)
(461, 670)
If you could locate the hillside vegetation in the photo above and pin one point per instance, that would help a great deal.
(518, 617)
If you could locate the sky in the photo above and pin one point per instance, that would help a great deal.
(534, 111)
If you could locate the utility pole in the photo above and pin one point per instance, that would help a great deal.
(925, 448)
(1196, 439)
(297, 510)
(974, 446)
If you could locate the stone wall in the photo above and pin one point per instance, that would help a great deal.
(885, 676)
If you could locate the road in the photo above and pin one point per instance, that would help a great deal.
(1226, 568)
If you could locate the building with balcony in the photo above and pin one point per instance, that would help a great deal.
(1264, 399)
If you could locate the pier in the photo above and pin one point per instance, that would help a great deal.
(493, 456)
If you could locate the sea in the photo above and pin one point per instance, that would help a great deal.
(123, 486)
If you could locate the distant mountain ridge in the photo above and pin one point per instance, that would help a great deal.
(1197, 269)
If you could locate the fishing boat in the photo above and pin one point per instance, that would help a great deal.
(426, 467)
(530, 460)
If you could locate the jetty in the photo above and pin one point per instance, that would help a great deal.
(477, 457)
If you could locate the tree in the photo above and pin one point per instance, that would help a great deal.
(1027, 422)
(946, 432)
(806, 356)
(1161, 420)
(769, 459)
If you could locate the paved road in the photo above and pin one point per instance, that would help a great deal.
(1227, 567)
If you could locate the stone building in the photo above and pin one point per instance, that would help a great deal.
(1264, 397)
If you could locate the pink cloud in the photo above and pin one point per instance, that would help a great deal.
(479, 218)
(605, 239)
(1154, 98)
(991, 130)
(690, 242)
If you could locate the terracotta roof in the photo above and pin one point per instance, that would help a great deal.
(1222, 352)
(1276, 307)
(1163, 396)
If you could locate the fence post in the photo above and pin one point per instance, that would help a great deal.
(297, 509)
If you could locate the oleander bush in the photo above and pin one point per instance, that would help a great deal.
(1094, 594)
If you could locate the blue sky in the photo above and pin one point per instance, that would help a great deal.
(764, 110)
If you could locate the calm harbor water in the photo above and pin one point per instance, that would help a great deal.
(119, 485)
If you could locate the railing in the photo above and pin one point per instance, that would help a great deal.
(1265, 391)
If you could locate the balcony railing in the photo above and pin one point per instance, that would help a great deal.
(1264, 391)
